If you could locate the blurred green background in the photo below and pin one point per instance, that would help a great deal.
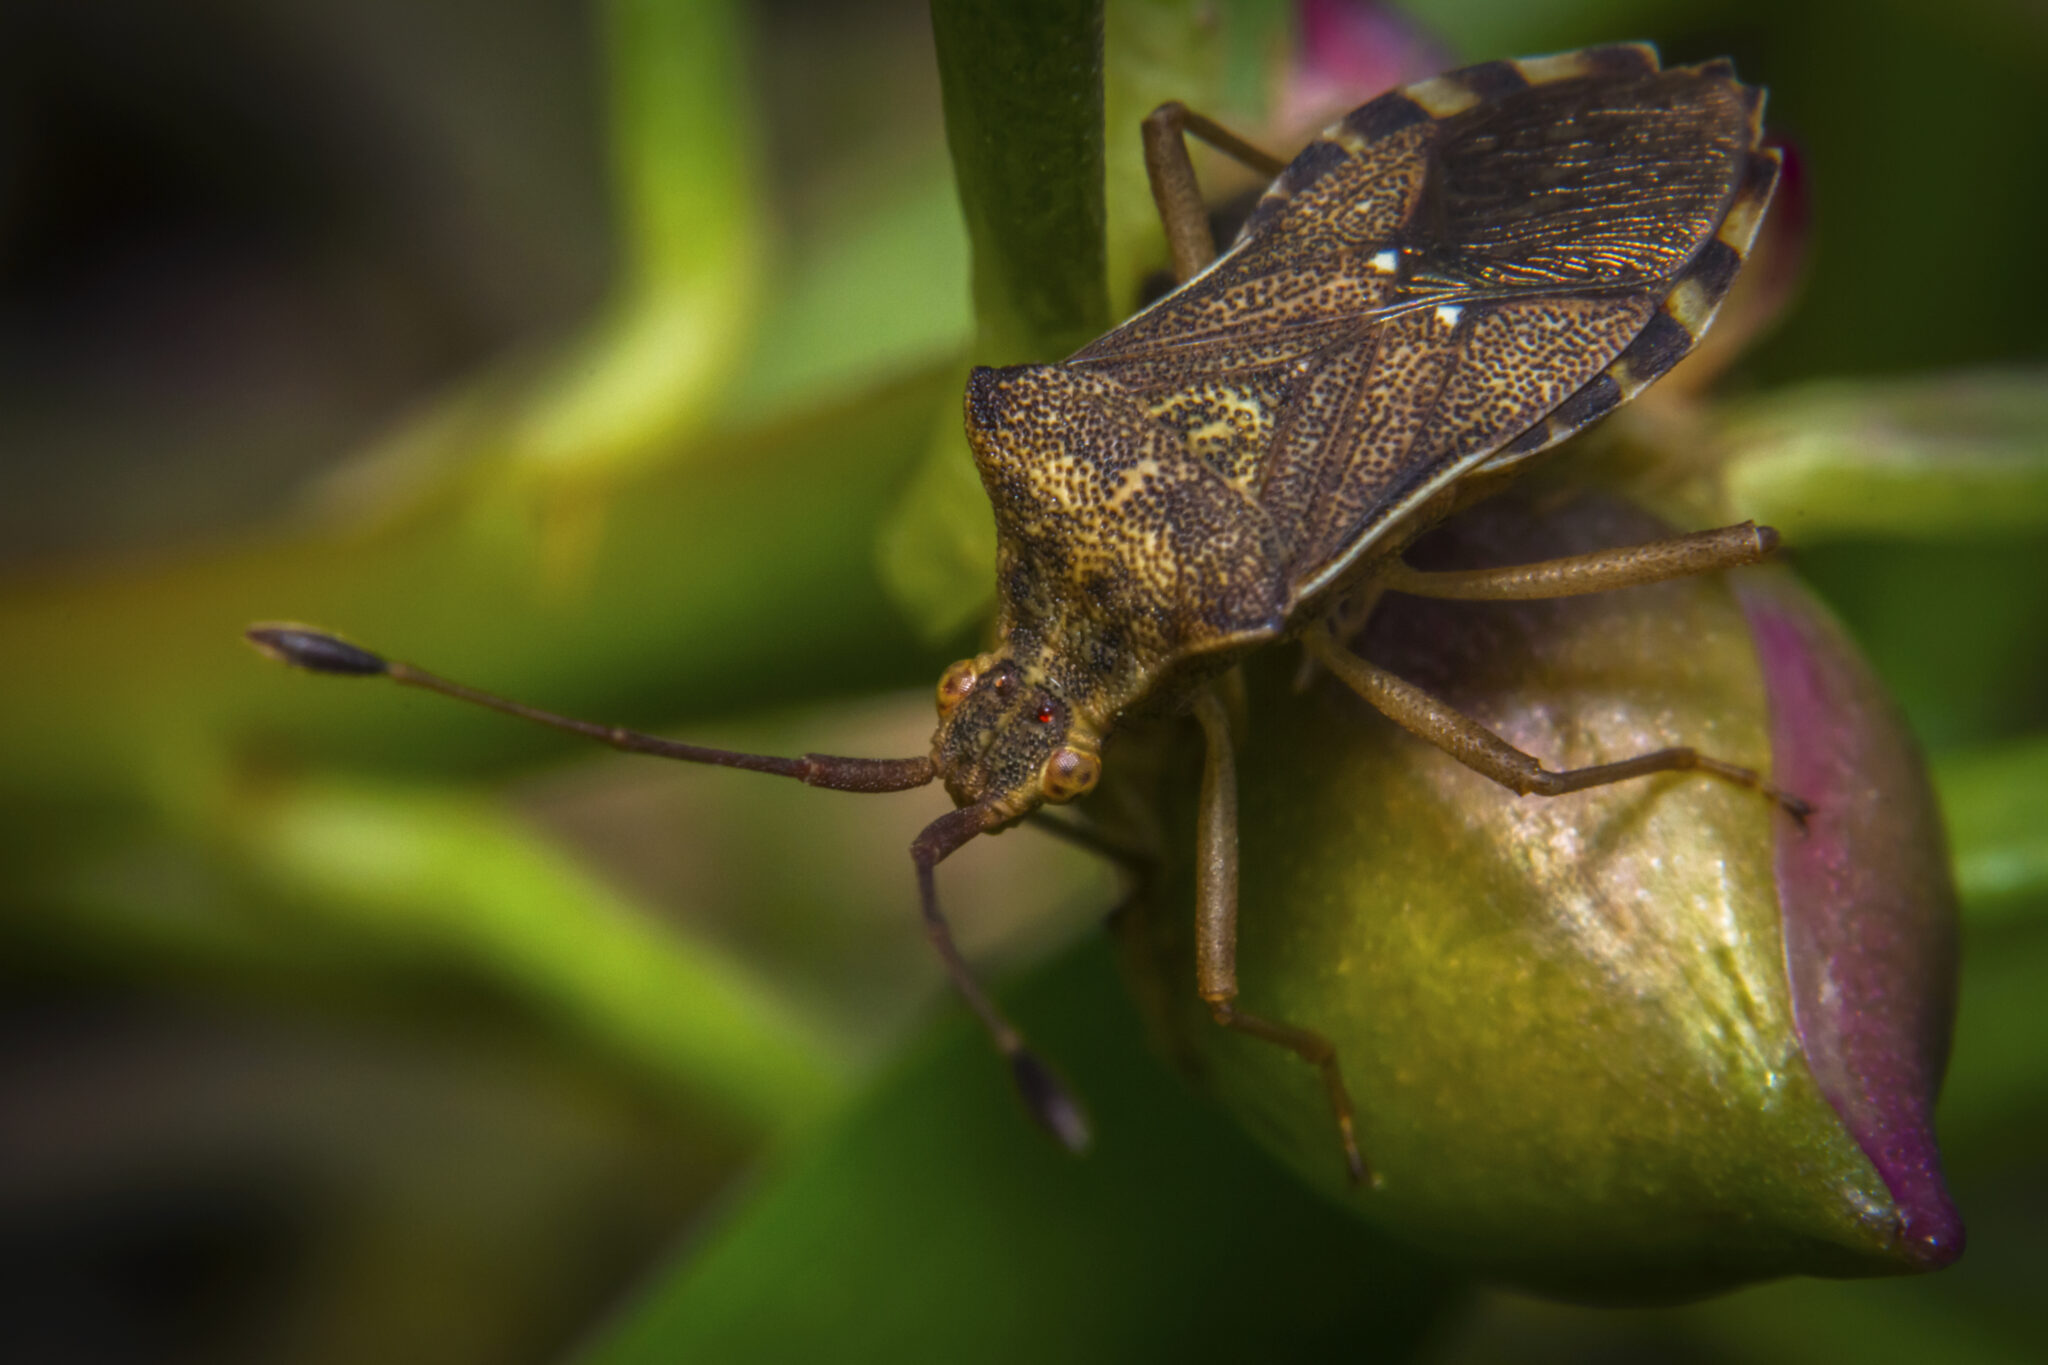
(609, 356)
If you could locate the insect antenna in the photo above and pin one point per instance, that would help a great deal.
(319, 652)
(1047, 1099)
(1044, 1095)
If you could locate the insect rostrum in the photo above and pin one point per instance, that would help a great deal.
(1447, 281)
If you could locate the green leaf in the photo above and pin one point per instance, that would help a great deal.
(715, 586)
(454, 881)
(549, 437)
(1996, 804)
(936, 550)
(935, 1223)
(1997, 1090)
(873, 295)
(337, 891)
(1952, 457)
(1878, 1324)
(682, 164)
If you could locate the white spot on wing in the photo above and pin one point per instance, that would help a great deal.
(1386, 262)
(1344, 137)
(1690, 307)
(1442, 96)
(1560, 66)
(1448, 314)
(1738, 229)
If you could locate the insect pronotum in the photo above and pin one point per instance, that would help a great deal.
(1447, 281)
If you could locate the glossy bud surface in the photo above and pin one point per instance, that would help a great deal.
(1580, 1059)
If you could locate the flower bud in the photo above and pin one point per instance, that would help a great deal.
(1644, 1041)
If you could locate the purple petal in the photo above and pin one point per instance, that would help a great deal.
(1350, 51)
(1868, 904)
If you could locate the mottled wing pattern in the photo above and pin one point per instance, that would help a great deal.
(1460, 273)
(1681, 319)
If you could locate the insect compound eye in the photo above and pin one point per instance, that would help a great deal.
(1069, 773)
(954, 685)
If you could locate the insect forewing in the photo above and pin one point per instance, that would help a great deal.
(1458, 274)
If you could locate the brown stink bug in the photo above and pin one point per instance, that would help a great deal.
(1450, 279)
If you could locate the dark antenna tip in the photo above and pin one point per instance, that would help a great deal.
(1051, 1104)
(313, 650)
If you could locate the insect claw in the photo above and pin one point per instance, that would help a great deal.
(315, 651)
(1051, 1104)
(1798, 809)
(1354, 1160)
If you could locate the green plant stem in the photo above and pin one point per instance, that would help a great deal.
(447, 878)
(1023, 92)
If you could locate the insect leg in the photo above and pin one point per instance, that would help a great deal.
(1601, 571)
(1174, 188)
(1044, 1096)
(1481, 750)
(1216, 924)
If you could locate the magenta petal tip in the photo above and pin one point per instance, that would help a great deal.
(1868, 904)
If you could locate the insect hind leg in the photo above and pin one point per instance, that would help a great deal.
(1631, 566)
(1480, 749)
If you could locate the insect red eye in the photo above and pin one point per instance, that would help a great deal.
(1045, 715)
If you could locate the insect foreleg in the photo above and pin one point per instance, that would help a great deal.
(1601, 571)
(1047, 1099)
(1486, 753)
(1216, 923)
(1174, 188)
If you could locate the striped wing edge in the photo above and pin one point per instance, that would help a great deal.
(1682, 319)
